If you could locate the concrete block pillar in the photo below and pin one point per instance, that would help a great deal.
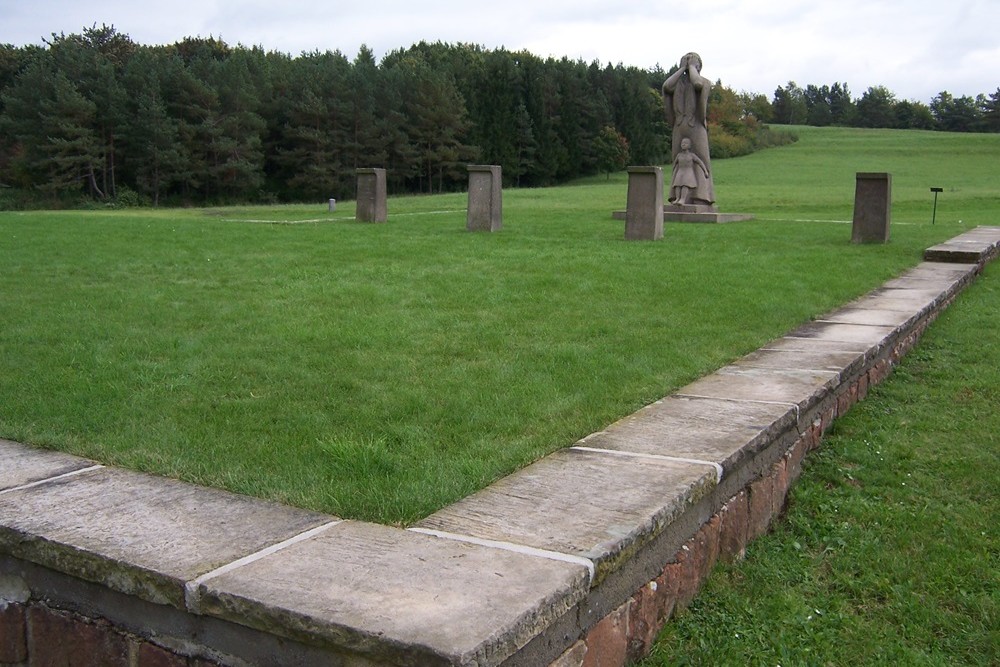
(872, 208)
(644, 209)
(485, 198)
(371, 196)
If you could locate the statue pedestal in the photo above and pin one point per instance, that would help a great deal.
(694, 213)
(700, 213)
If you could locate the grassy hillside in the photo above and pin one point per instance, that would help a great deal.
(382, 371)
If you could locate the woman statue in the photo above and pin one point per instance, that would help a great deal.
(685, 98)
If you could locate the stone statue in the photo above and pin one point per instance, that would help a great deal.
(685, 98)
(688, 172)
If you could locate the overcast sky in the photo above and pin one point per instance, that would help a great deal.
(916, 48)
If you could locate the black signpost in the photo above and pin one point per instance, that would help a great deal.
(935, 191)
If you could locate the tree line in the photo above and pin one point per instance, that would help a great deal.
(878, 107)
(96, 116)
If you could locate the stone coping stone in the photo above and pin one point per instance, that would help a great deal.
(27, 465)
(844, 363)
(902, 300)
(931, 274)
(800, 389)
(803, 344)
(595, 505)
(974, 246)
(399, 595)
(866, 334)
(719, 431)
(896, 316)
(933, 270)
(139, 534)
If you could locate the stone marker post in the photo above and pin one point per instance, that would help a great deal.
(371, 196)
(644, 209)
(872, 208)
(485, 198)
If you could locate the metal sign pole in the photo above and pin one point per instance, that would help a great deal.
(934, 214)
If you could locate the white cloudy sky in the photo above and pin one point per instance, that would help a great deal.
(916, 48)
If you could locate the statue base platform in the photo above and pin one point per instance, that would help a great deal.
(694, 213)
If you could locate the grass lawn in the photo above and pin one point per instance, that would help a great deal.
(380, 372)
(890, 553)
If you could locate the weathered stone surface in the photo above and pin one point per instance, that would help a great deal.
(685, 100)
(933, 275)
(844, 333)
(644, 211)
(150, 655)
(705, 429)
(62, 638)
(607, 642)
(673, 213)
(836, 361)
(734, 519)
(372, 204)
(933, 269)
(571, 657)
(802, 344)
(872, 208)
(595, 505)
(801, 389)
(389, 593)
(974, 246)
(140, 534)
(485, 207)
(27, 465)
(872, 316)
(13, 632)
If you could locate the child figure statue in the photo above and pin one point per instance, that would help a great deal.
(689, 170)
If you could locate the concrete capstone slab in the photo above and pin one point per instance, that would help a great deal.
(974, 246)
(398, 595)
(27, 465)
(869, 314)
(801, 389)
(873, 336)
(835, 361)
(595, 505)
(723, 432)
(139, 534)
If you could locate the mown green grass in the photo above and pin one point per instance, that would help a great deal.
(382, 371)
(889, 554)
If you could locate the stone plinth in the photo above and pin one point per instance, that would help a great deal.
(872, 208)
(693, 213)
(371, 196)
(700, 213)
(644, 210)
(485, 212)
